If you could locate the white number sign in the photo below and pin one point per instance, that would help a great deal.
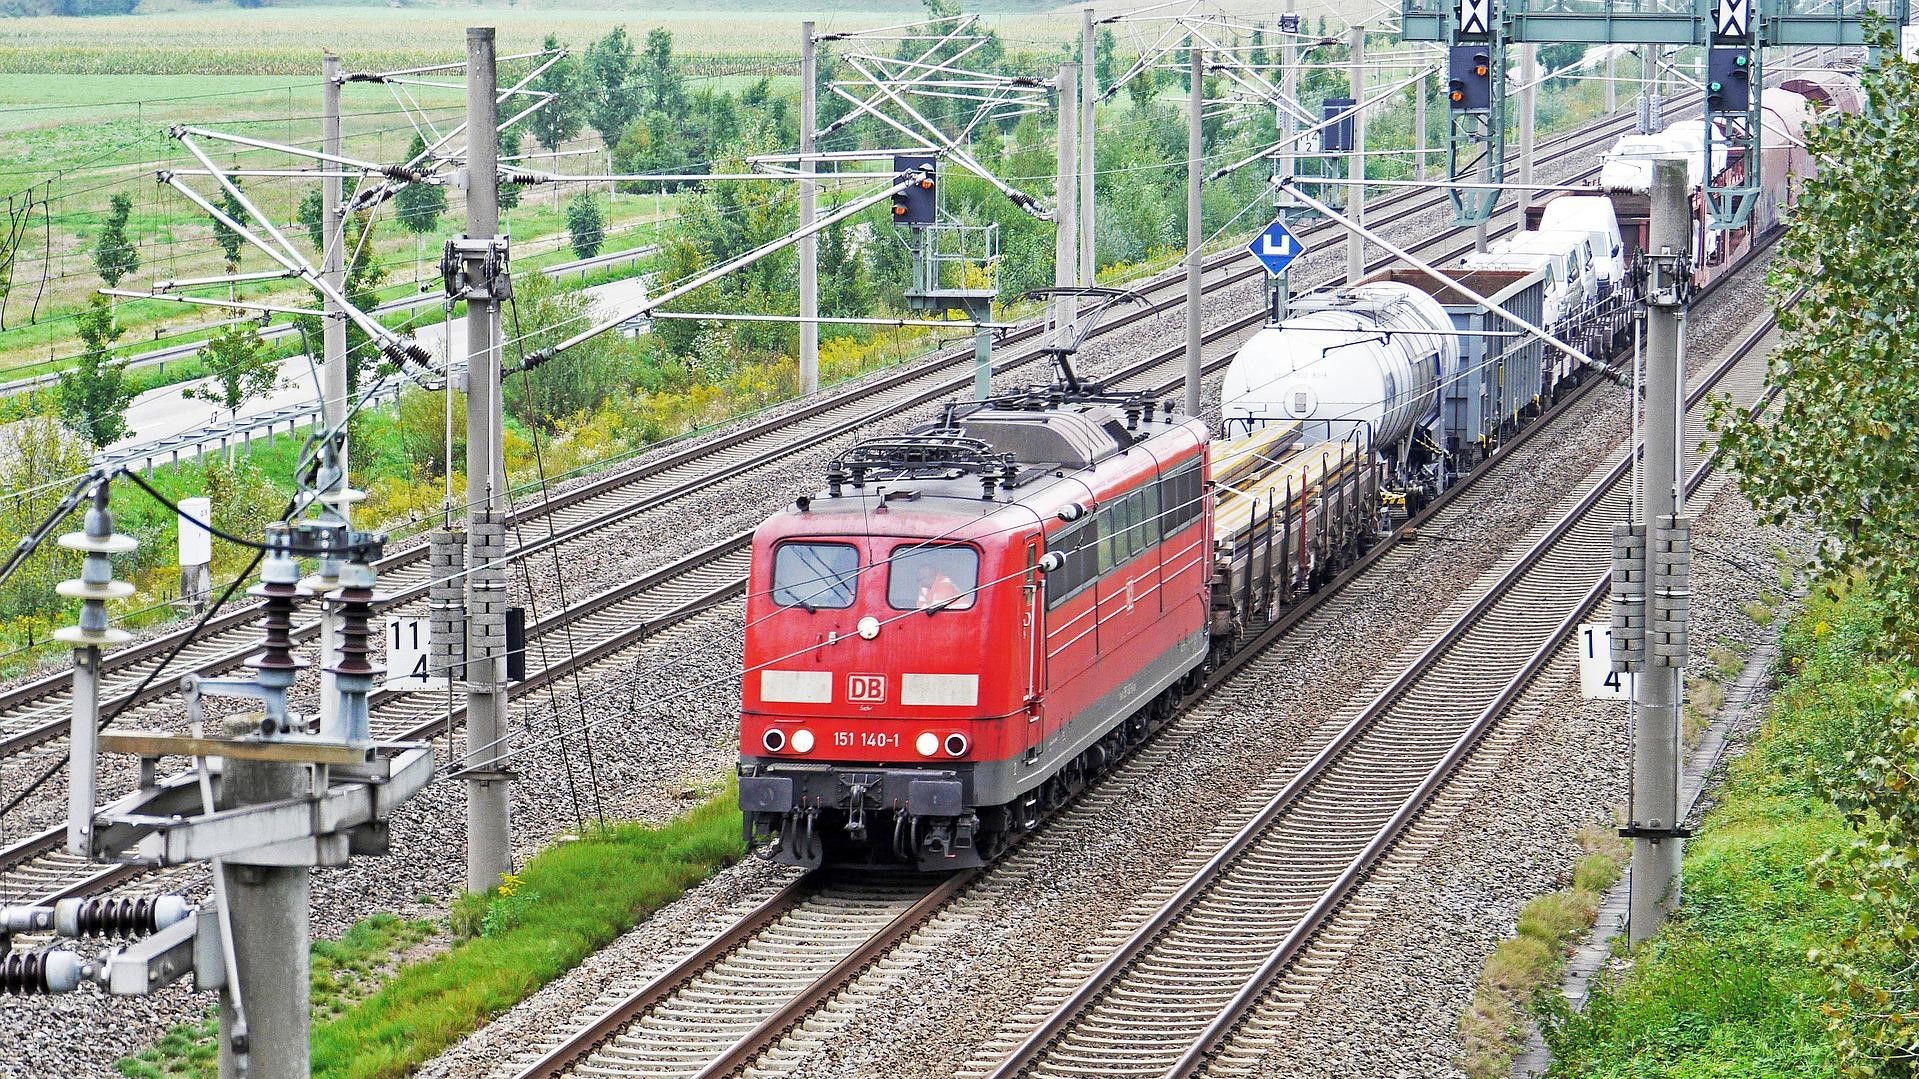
(406, 651)
(1597, 679)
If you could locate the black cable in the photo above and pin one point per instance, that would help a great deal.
(559, 577)
(213, 609)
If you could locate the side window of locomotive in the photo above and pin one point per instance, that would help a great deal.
(923, 578)
(1078, 544)
(1149, 518)
(1180, 498)
(816, 576)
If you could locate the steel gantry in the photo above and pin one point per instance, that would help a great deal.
(1734, 33)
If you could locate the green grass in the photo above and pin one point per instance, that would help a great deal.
(344, 972)
(1526, 964)
(568, 901)
(1727, 988)
(377, 1015)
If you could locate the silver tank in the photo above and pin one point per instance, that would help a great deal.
(1366, 358)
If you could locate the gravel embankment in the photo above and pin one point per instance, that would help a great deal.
(661, 725)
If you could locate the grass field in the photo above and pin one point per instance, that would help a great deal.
(85, 104)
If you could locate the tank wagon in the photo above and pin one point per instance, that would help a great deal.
(969, 622)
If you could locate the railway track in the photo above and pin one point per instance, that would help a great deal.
(632, 1035)
(34, 712)
(1168, 1001)
(34, 868)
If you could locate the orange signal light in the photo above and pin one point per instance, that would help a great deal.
(1480, 70)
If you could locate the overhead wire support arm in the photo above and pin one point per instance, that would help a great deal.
(710, 276)
(1396, 251)
(393, 345)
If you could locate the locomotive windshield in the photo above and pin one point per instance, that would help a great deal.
(815, 575)
(923, 578)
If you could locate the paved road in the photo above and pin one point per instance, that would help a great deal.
(167, 411)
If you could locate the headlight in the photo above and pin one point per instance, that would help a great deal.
(774, 739)
(802, 741)
(928, 744)
(956, 745)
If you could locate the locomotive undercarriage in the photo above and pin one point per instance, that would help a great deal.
(924, 818)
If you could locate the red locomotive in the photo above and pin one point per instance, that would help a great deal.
(968, 623)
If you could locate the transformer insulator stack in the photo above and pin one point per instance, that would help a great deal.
(354, 670)
(279, 593)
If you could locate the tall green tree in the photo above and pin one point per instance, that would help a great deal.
(610, 86)
(562, 116)
(585, 225)
(237, 365)
(115, 256)
(1841, 453)
(419, 206)
(665, 87)
(364, 276)
(94, 394)
(312, 216)
(229, 239)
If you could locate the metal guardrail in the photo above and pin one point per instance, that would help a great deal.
(220, 434)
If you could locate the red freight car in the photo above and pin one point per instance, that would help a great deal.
(969, 622)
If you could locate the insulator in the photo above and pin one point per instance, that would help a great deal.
(40, 973)
(118, 917)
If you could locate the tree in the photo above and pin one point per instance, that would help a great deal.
(312, 216)
(613, 94)
(113, 254)
(560, 118)
(585, 225)
(94, 393)
(364, 275)
(226, 235)
(576, 381)
(237, 365)
(510, 148)
(664, 86)
(1841, 453)
(419, 205)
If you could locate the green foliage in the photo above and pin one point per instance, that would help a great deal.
(1523, 967)
(95, 392)
(1843, 449)
(1842, 452)
(312, 217)
(510, 148)
(238, 364)
(574, 382)
(364, 276)
(561, 117)
(1743, 981)
(229, 238)
(342, 973)
(36, 453)
(420, 430)
(417, 205)
(584, 894)
(115, 256)
(585, 225)
(610, 86)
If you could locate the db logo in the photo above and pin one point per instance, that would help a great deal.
(865, 688)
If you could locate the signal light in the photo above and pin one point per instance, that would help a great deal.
(1469, 70)
(1728, 79)
(917, 203)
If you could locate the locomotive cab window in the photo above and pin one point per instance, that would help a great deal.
(816, 576)
(927, 578)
